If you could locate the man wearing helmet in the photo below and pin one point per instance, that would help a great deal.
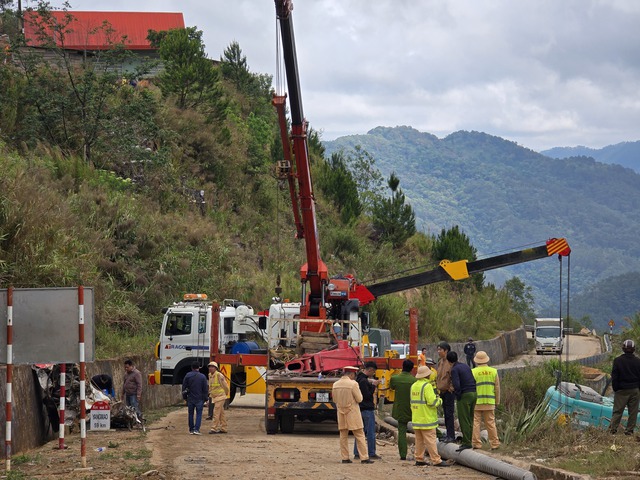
(625, 380)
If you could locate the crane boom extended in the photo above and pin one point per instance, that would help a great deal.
(314, 272)
(462, 269)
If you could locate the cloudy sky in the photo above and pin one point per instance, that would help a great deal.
(542, 73)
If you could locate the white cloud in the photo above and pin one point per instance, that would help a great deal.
(542, 73)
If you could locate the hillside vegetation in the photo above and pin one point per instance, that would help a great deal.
(102, 183)
(505, 196)
(626, 154)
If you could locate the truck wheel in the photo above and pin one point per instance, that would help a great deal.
(287, 422)
(271, 426)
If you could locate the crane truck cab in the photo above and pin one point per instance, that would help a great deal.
(186, 337)
(549, 335)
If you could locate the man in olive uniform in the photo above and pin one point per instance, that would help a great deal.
(401, 385)
(347, 396)
(488, 390)
(424, 418)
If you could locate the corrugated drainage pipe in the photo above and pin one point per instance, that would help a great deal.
(475, 460)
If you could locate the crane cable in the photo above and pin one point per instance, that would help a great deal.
(564, 374)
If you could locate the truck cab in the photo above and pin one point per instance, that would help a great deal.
(549, 335)
(186, 335)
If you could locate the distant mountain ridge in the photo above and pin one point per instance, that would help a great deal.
(626, 154)
(505, 196)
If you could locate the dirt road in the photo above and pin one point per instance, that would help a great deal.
(312, 452)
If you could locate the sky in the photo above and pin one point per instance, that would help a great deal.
(542, 73)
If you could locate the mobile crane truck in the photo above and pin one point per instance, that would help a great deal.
(311, 340)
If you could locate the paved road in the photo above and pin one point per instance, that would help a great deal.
(576, 346)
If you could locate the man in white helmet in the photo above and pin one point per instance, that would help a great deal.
(218, 391)
(625, 380)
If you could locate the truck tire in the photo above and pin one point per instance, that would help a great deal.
(271, 426)
(287, 423)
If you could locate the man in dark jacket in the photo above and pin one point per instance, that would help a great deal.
(401, 385)
(464, 387)
(625, 380)
(198, 392)
(367, 383)
(470, 352)
(445, 389)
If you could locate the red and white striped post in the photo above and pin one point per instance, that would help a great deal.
(63, 398)
(7, 440)
(83, 410)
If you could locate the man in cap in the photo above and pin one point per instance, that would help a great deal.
(625, 380)
(488, 390)
(367, 383)
(445, 388)
(470, 352)
(218, 391)
(347, 396)
(195, 384)
(401, 385)
(424, 418)
(433, 376)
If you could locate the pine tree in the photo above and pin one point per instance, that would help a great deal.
(393, 219)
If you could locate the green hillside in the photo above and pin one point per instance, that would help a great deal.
(506, 196)
(147, 191)
(626, 154)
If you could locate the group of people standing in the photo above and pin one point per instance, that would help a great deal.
(417, 398)
(197, 390)
(476, 391)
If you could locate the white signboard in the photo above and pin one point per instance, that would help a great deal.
(101, 416)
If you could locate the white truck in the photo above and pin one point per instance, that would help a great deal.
(549, 335)
(186, 337)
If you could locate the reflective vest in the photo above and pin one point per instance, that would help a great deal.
(485, 384)
(433, 378)
(424, 403)
(215, 387)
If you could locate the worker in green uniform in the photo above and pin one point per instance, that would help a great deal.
(401, 385)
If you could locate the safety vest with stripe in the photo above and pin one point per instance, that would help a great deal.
(485, 384)
(424, 403)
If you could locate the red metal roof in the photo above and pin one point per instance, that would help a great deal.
(133, 25)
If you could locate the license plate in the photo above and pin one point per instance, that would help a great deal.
(322, 396)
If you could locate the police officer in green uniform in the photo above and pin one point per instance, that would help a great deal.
(401, 384)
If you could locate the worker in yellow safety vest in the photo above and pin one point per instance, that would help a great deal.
(488, 390)
(424, 418)
(433, 376)
(218, 391)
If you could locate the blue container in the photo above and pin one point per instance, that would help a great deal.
(244, 347)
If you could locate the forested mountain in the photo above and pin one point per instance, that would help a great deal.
(626, 154)
(506, 196)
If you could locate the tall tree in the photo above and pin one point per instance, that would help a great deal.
(338, 184)
(233, 65)
(369, 180)
(188, 74)
(454, 245)
(67, 96)
(521, 299)
(393, 219)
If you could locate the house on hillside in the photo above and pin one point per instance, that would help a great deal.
(84, 34)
